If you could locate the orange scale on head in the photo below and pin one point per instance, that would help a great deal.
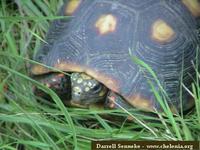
(193, 6)
(106, 24)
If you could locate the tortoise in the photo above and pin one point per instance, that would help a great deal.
(98, 44)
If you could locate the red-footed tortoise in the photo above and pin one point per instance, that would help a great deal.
(98, 43)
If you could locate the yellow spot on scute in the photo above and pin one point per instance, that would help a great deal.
(106, 24)
(193, 6)
(72, 6)
(162, 32)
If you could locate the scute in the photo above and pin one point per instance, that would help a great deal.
(104, 49)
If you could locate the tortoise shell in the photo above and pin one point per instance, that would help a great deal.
(102, 37)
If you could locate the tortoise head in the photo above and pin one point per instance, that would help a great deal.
(86, 90)
(77, 89)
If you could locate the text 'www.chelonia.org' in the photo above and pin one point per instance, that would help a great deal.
(145, 145)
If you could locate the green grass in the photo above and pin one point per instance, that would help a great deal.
(43, 125)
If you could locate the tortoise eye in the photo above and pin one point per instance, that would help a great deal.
(97, 88)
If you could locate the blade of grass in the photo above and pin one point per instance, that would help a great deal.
(197, 102)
